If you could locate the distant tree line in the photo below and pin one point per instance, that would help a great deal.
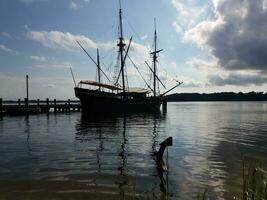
(222, 96)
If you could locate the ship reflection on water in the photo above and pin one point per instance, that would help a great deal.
(121, 149)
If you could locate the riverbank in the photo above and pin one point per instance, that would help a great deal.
(223, 96)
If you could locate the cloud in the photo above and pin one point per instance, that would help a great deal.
(74, 5)
(30, 1)
(215, 75)
(173, 65)
(139, 53)
(26, 27)
(26, 1)
(237, 37)
(237, 79)
(44, 62)
(39, 58)
(51, 65)
(189, 13)
(49, 85)
(42, 87)
(190, 83)
(139, 50)
(65, 40)
(234, 36)
(205, 66)
(5, 34)
(6, 49)
(144, 37)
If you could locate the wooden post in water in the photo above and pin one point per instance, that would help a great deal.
(1, 108)
(27, 92)
(164, 105)
(38, 102)
(26, 102)
(47, 105)
(68, 105)
(160, 164)
(55, 105)
(19, 103)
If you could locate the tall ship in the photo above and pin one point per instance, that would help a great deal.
(117, 96)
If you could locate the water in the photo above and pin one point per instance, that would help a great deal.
(70, 156)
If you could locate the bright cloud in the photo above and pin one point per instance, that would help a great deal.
(53, 65)
(236, 40)
(39, 58)
(6, 49)
(74, 5)
(64, 40)
(77, 4)
(189, 13)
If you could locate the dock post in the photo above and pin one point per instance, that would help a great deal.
(164, 105)
(38, 102)
(47, 105)
(68, 105)
(26, 102)
(19, 102)
(1, 108)
(55, 105)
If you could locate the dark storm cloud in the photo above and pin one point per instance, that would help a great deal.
(240, 43)
(237, 79)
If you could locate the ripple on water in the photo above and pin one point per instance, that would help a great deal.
(116, 154)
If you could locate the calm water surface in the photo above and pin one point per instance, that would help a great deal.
(73, 156)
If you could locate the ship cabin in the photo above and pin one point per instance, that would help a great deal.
(135, 93)
(107, 89)
(101, 87)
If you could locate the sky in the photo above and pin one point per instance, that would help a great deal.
(209, 45)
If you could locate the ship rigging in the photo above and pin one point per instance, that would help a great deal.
(116, 97)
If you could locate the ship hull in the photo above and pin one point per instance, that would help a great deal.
(95, 101)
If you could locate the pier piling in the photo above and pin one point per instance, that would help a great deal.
(38, 102)
(47, 105)
(1, 108)
(19, 102)
(164, 105)
(68, 109)
(26, 102)
(55, 105)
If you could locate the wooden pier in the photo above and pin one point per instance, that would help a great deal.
(26, 106)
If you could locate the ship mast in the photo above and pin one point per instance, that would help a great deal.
(155, 57)
(98, 68)
(121, 45)
(155, 60)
